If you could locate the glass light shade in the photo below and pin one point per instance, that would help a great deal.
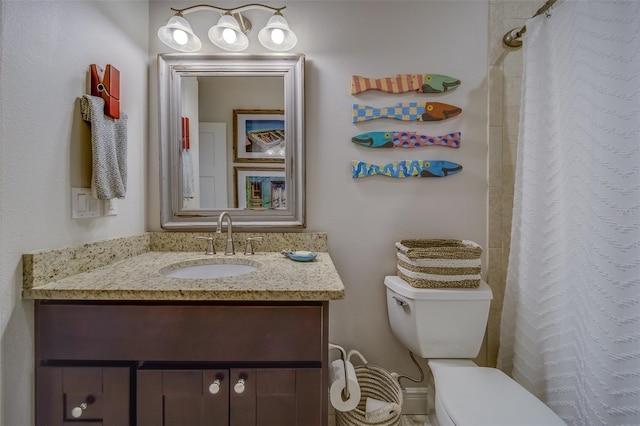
(277, 35)
(220, 35)
(178, 35)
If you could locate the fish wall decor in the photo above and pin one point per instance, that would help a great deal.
(406, 140)
(406, 168)
(402, 83)
(407, 111)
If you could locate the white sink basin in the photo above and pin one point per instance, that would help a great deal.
(209, 270)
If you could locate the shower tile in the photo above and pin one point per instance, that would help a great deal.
(510, 150)
(508, 179)
(495, 157)
(493, 336)
(496, 16)
(512, 91)
(496, 281)
(512, 64)
(495, 218)
(496, 96)
(507, 210)
(511, 120)
(523, 9)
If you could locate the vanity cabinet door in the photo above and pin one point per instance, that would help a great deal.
(182, 397)
(89, 396)
(276, 396)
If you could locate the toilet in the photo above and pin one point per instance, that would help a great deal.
(446, 326)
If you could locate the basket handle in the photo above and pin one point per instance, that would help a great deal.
(355, 352)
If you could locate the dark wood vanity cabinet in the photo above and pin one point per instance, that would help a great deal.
(180, 363)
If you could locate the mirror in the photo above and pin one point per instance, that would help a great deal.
(223, 122)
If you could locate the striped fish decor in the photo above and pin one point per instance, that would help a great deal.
(407, 111)
(406, 168)
(406, 140)
(402, 83)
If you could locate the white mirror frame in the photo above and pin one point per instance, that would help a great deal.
(171, 68)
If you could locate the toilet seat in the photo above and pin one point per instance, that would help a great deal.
(486, 396)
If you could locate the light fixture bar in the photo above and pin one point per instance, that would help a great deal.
(239, 9)
(230, 33)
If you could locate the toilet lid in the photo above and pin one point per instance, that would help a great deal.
(486, 396)
(403, 288)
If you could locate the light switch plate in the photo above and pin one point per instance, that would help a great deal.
(111, 207)
(83, 204)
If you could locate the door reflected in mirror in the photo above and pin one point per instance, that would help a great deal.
(232, 140)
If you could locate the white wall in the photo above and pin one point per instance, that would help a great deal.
(46, 48)
(365, 217)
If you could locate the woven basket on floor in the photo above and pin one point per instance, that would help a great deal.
(439, 263)
(377, 383)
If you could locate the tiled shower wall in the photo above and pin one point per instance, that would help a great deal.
(505, 78)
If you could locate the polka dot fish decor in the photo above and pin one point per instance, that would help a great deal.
(400, 139)
(407, 111)
(406, 168)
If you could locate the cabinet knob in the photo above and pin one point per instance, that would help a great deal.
(239, 387)
(77, 411)
(214, 387)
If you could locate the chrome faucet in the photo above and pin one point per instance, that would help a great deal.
(229, 248)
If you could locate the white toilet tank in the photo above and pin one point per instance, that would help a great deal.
(438, 323)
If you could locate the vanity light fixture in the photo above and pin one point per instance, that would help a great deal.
(230, 33)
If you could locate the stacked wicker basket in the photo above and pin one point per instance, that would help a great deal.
(439, 263)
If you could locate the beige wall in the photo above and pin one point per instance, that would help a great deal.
(365, 217)
(505, 77)
(42, 73)
(46, 48)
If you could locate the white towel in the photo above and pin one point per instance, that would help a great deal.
(380, 411)
(187, 174)
(108, 147)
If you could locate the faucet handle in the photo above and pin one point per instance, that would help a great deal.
(248, 250)
(210, 247)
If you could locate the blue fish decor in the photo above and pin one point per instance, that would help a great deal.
(406, 168)
(406, 140)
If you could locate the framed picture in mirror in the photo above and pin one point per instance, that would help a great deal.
(258, 135)
(260, 188)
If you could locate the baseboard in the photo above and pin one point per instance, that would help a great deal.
(415, 401)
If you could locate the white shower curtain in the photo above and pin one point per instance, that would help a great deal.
(571, 318)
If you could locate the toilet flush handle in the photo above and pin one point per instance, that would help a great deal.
(399, 301)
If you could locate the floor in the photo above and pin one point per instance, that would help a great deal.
(408, 420)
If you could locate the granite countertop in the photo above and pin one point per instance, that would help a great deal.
(132, 268)
(141, 278)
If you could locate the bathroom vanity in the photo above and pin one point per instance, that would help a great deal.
(192, 363)
(123, 344)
